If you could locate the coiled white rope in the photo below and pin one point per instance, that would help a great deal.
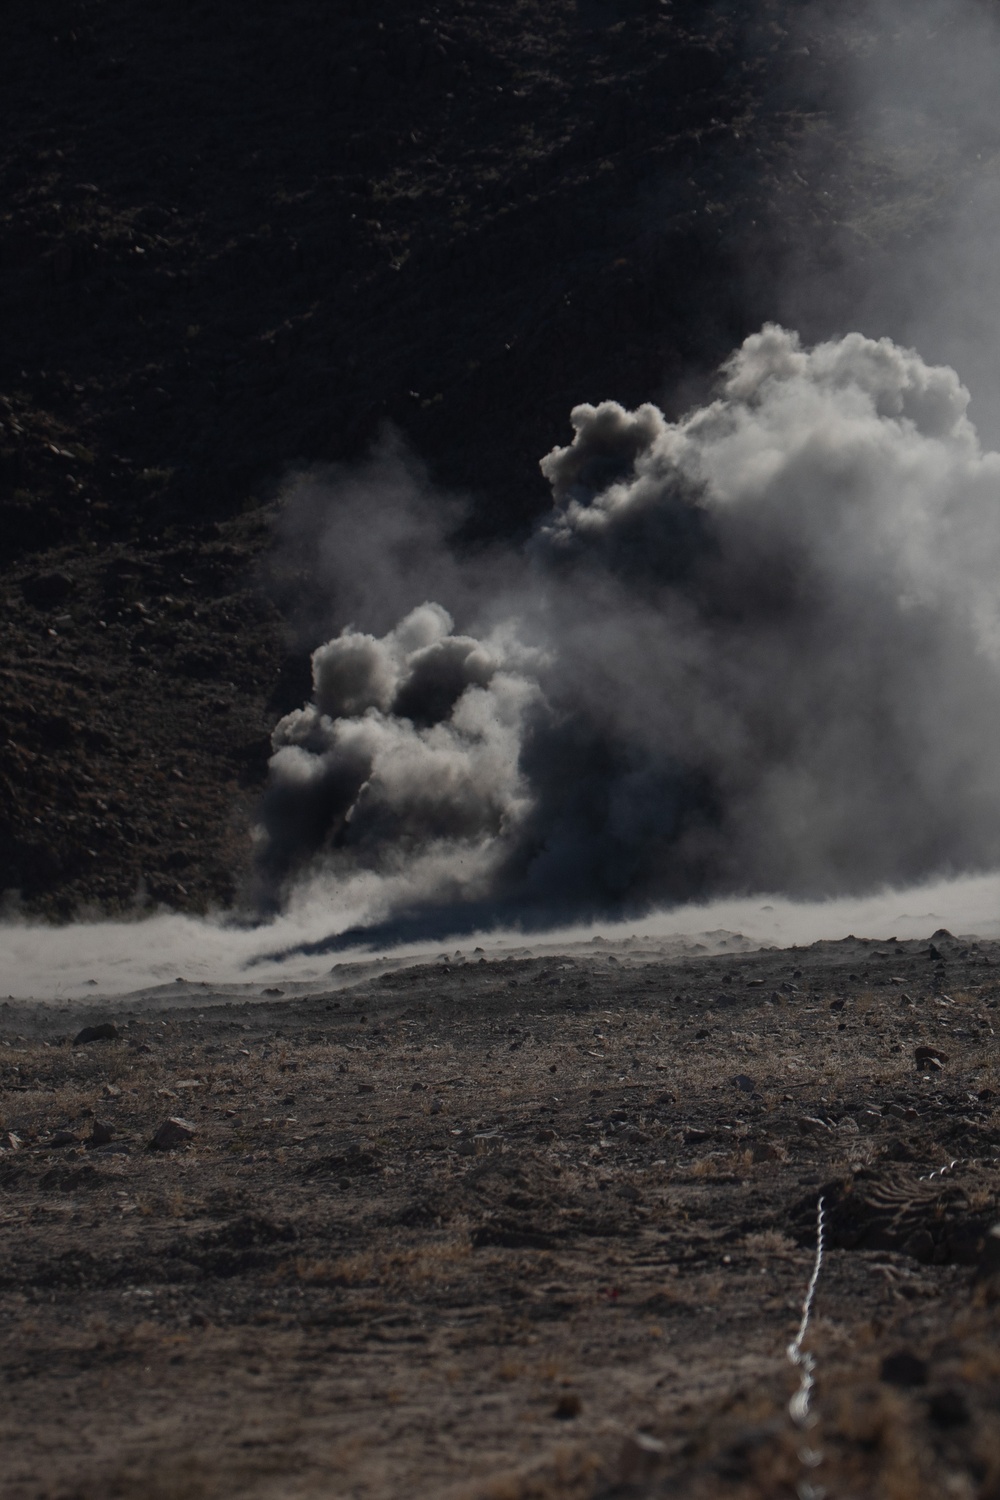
(800, 1406)
(961, 1161)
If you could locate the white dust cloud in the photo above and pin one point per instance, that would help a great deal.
(757, 649)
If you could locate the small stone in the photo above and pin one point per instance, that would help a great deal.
(948, 1408)
(695, 1135)
(848, 1126)
(102, 1134)
(417, 1088)
(904, 1369)
(810, 1125)
(744, 1083)
(437, 1105)
(568, 1406)
(112, 1091)
(920, 1246)
(638, 1138)
(366, 1088)
(64, 1138)
(106, 1031)
(9, 1141)
(173, 1132)
(545, 1135)
(765, 1151)
(930, 1058)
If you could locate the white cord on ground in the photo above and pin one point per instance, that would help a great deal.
(799, 1407)
(962, 1161)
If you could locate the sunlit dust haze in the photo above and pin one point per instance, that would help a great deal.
(169, 956)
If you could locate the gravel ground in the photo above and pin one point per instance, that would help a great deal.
(519, 1227)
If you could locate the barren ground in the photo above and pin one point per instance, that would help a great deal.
(466, 1229)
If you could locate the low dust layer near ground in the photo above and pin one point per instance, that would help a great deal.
(467, 1229)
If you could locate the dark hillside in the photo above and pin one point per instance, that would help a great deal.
(238, 238)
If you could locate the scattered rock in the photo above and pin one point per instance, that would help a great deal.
(105, 1031)
(64, 1138)
(695, 1135)
(102, 1134)
(948, 1408)
(904, 1368)
(744, 1083)
(9, 1141)
(173, 1132)
(45, 590)
(810, 1125)
(366, 1088)
(930, 1058)
(359, 1159)
(68, 1179)
(568, 1406)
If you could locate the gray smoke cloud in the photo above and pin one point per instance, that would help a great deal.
(754, 649)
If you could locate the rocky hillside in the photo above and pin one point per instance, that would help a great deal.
(236, 239)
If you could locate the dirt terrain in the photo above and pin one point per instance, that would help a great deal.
(523, 1226)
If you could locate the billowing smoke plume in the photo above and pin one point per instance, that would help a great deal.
(755, 649)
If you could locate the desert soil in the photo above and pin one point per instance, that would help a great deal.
(521, 1227)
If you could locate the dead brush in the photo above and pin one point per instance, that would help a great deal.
(415, 1266)
(770, 1242)
(721, 1164)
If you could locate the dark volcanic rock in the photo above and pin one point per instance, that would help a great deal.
(105, 1031)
